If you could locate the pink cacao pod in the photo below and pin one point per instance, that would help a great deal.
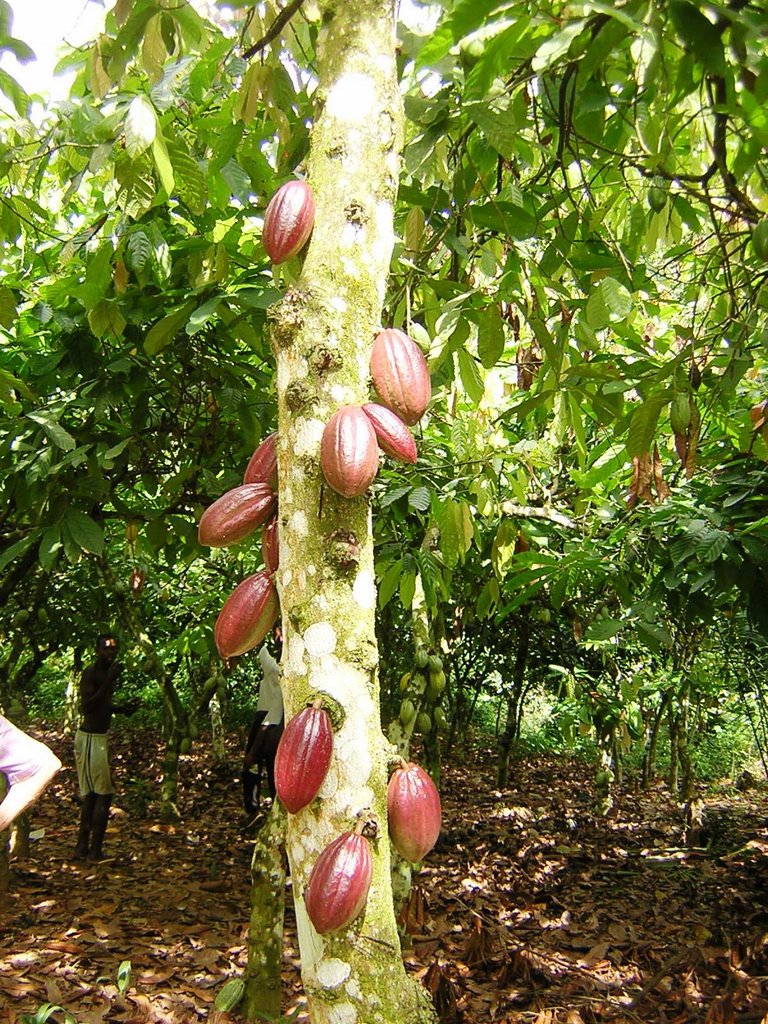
(248, 614)
(302, 758)
(288, 220)
(392, 434)
(262, 467)
(270, 545)
(236, 514)
(339, 883)
(413, 812)
(400, 375)
(349, 452)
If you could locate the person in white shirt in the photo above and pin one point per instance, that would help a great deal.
(28, 766)
(265, 732)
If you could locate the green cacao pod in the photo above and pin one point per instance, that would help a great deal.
(400, 375)
(421, 658)
(657, 198)
(349, 452)
(436, 685)
(441, 722)
(760, 240)
(185, 745)
(395, 439)
(405, 678)
(407, 712)
(229, 995)
(288, 221)
(423, 723)
(435, 663)
(680, 412)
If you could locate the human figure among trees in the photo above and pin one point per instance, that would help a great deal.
(268, 723)
(28, 766)
(97, 687)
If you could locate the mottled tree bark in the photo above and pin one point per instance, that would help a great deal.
(322, 334)
(265, 936)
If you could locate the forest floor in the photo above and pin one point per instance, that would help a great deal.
(531, 909)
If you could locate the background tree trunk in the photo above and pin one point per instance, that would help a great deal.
(322, 334)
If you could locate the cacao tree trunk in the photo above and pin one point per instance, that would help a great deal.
(518, 683)
(322, 333)
(265, 935)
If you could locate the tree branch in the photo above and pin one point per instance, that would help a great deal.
(274, 30)
(509, 508)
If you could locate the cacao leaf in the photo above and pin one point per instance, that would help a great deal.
(165, 330)
(490, 336)
(140, 126)
(53, 430)
(470, 376)
(86, 533)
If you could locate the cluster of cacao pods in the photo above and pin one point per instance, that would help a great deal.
(413, 811)
(352, 438)
(252, 609)
(341, 877)
(427, 677)
(288, 221)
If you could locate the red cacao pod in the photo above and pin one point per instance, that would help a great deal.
(413, 811)
(288, 220)
(270, 545)
(349, 452)
(236, 514)
(392, 434)
(262, 467)
(339, 883)
(401, 375)
(248, 614)
(302, 758)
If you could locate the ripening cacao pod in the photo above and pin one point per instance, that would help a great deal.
(302, 758)
(349, 452)
(270, 545)
(400, 375)
(236, 514)
(413, 812)
(405, 678)
(288, 220)
(395, 439)
(339, 883)
(262, 466)
(680, 413)
(248, 614)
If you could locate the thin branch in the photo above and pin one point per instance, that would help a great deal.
(509, 508)
(274, 30)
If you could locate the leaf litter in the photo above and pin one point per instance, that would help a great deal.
(531, 909)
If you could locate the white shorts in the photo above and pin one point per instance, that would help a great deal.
(92, 761)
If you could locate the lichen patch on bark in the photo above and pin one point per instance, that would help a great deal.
(320, 639)
(364, 590)
(332, 973)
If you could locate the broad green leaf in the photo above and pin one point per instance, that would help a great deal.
(490, 336)
(163, 163)
(153, 51)
(699, 35)
(86, 533)
(15, 550)
(604, 629)
(106, 319)
(165, 330)
(470, 376)
(642, 426)
(450, 542)
(140, 126)
(407, 589)
(139, 249)
(11, 88)
(7, 308)
(389, 582)
(53, 430)
(203, 315)
(50, 545)
(418, 499)
(557, 46)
